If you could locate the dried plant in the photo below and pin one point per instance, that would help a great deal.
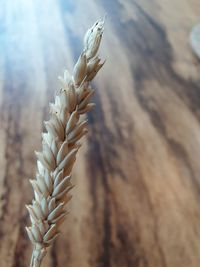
(60, 146)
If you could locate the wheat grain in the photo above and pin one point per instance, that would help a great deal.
(60, 146)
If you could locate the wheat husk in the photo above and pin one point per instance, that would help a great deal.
(60, 145)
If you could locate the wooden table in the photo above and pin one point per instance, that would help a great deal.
(137, 197)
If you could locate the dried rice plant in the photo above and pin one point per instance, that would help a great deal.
(60, 146)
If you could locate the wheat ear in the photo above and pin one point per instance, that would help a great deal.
(60, 146)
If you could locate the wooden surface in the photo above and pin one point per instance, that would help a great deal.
(137, 197)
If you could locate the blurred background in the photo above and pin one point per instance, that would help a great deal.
(136, 202)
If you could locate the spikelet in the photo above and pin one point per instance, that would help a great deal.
(60, 146)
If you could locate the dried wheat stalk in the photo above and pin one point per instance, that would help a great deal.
(60, 146)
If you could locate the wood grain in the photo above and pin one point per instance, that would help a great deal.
(137, 194)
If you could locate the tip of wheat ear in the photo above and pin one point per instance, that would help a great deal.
(60, 145)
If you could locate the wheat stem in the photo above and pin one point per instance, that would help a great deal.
(60, 146)
(35, 261)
